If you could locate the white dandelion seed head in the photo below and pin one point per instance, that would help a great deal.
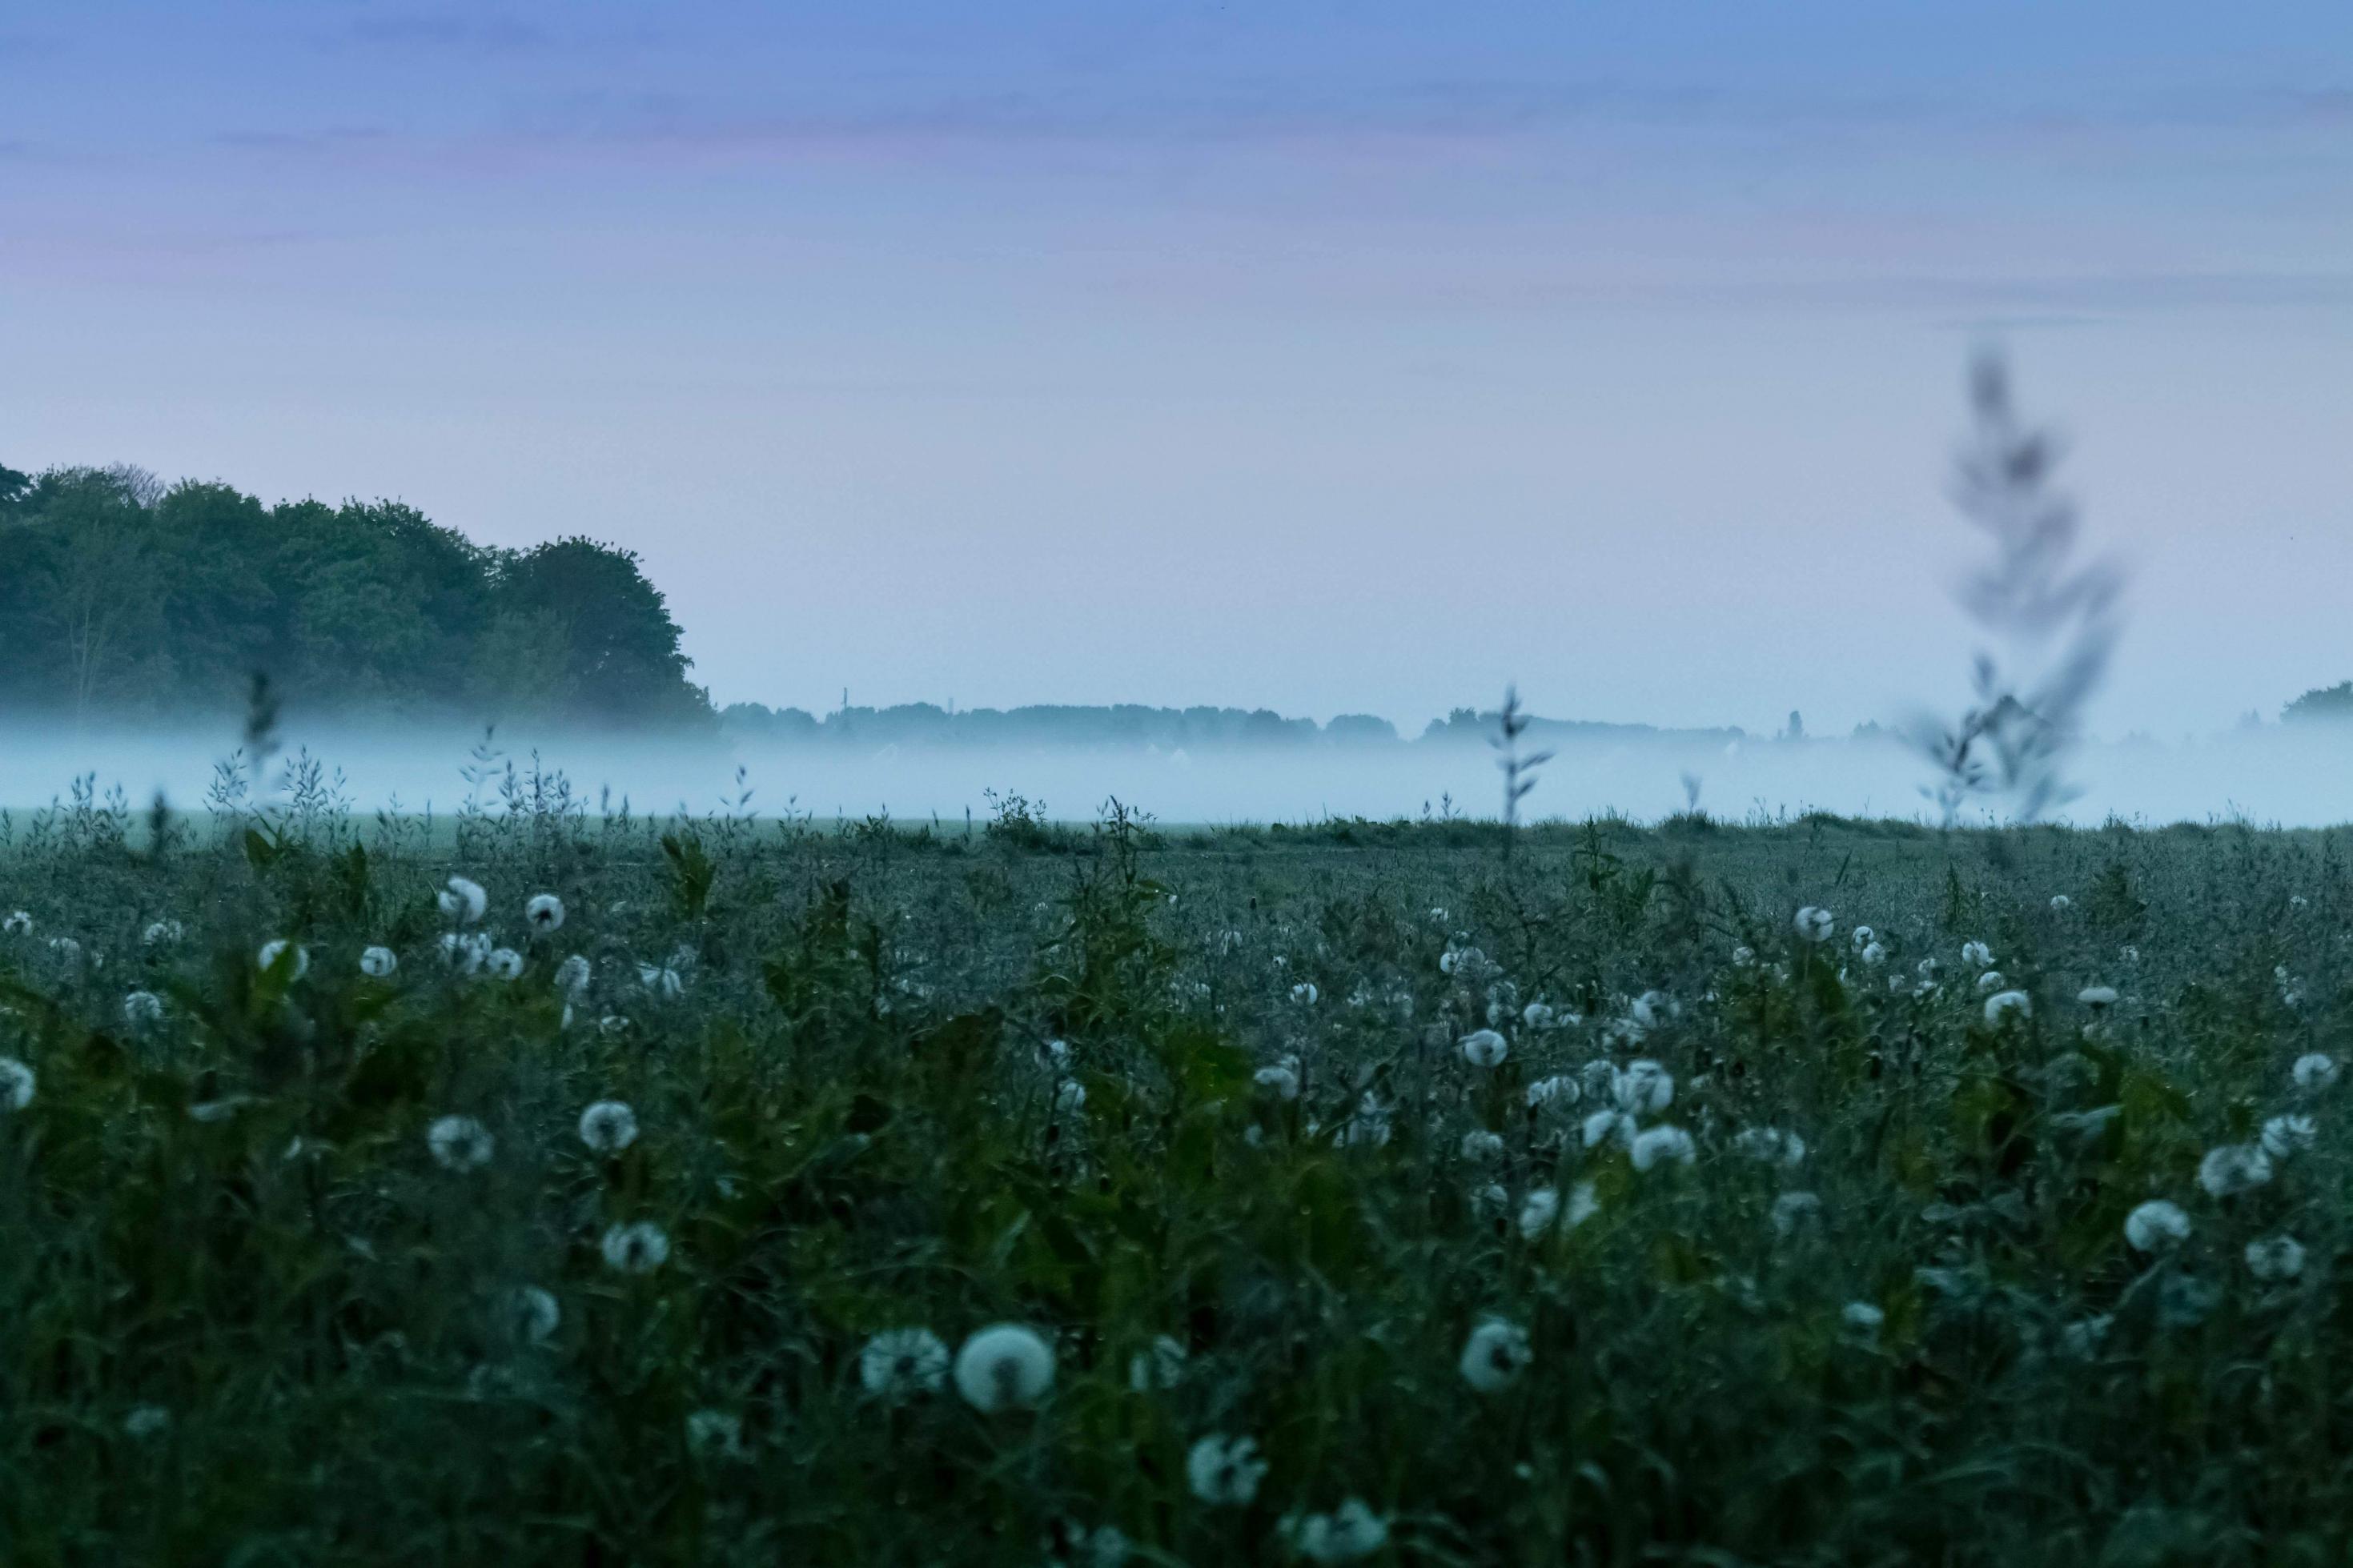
(465, 953)
(572, 977)
(1537, 1015)
(1862, 937)
(1003, 1367)
(1991, 980)
(1490, 1201)
(1070, 1096)
(1496, 1355)
(2097, 995)
(1873, 956)
(2060, 902)
(1645, 1088)
(612, 1025)
(2314, 1071)
(462, 900)
(1161, 1367)
(2230, 1169)
(1976, 955)
(1559, 1090)
(1225, 1472)
(638, 1248)
(2129, 953)
(142, 1008)
(533, 1314)
(1282, 1082)
(1792, 1210)
(18, 924)
(1369, 1128)
(1480, 1146)
(662, 980)
(460, 1143)
(504, 962)
(608, 1127)
(1813, 924)
(271, 952)
(2003, 1003)
(2157, 1225)
(1655, 1146)
(1770, 1146)
(1305, 994)
(1538, 1210)
(1607, 1126)
(2289, 1135)
(1743, 956)
(1349, 1533)
(378, 962)
(2275, 1257)
(899, 1363)
(2297, 901)
(17, 1083)
(162, 934)
(1484, 1048)
(543, 914)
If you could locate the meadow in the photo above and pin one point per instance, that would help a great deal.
(550, 1186)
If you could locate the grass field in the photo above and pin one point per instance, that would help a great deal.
(1361, 1193)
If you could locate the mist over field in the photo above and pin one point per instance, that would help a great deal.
(2292, 775)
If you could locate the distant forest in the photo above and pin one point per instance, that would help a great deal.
(125, 596)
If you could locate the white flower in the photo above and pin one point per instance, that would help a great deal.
(2001, 1004)
(1649, 1010)
(1494, 1355)
(901, 1361)
(1862, 1317)
(1281, 1081)
(2275, 1257)
(142, 1007)
(2156, 1224)
(1070, 1096)
(612, 1025)
(1490, 1201)
(460, 1143)
(163, 933)
(1538, 1016)
(1813, 924)
(1484, 1048)
(462, 900)
(377, 962)
(608, 1127)
(714, 1432)
(2313, 1072)
(638, 1248)
(17, 1084)
(2289, 1134)
(2097, 995)
(2297, 901)
(534, 1313)
(1542, 1207)
(1743, 956)
(1991, 980)
(1480, 1145)
(1225, 1472)
(1004, 1367)
(504, 962)
(1557, 1090)
(2058, 902)
(18, 924)
(2233, 1168)
(1305, 994)
(1770, 1146)
(1369, 1127)
(1604, 1126)
(1861, 937)
(543, 913)
(271, 952)
(1792, 1210)
(1644, 1088)
(1873, 956)
(661, 979)
(1976, 955)
(465, 954)
(1163, 1366)
(1349, 1533)
(1654, 1144)
(572, 977)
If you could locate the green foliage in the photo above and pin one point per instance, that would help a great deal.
(2323, 702)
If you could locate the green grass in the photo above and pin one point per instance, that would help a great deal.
(248, 1317)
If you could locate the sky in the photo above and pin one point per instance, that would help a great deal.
(1326, 357)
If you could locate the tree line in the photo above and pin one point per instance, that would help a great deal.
(125, 596)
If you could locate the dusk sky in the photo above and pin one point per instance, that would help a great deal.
(1327, 357)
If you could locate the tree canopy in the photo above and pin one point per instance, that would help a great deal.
(128, 597)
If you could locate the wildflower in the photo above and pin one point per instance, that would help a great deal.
(1991, 980)
(1282, 1082)
(2001, 1004)
(1490, 1201)
(462, 900)
(2060, 902)
(1494, 1355)
(162, 934)
(142, 1008)
(714, 1432)
(572, 977)
(543, 914)
(1605, 1126)
(1480, 1145)
(1770, 1146)
(1484, 1048)
(534, 1313)
(612, 1025)
(2313, 1072)
(661, 979)
(2233, 1168)
(271, 952)
(2129, 953)
(2275, 1257)
(638, 1248)
(504, 962)
(1004, 1367)
(2297, 901)
(1792, 1210)
(1225, 1472)
(464, 953)
(2289, 1134)
(1369, 1126)
(1862, 1317)
(1537, 1015)
(1977, 955)
(18, 924)
(1861, 937)
(1813, 924)
(1873, 956)
(1070, 1096)
(1059, 1050)
(608, 1127)
(1305, 994)
(1349, 1533)
(2156, 1225)
(1557, 1090)
(1644, 1088)
(378, 962)
(17, 1084)
(901, 1361)
(460, 1143)
(1542, 1208)
(1163, 1366)
(2097, 995)
(1654, 1144)
(1743, 956)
